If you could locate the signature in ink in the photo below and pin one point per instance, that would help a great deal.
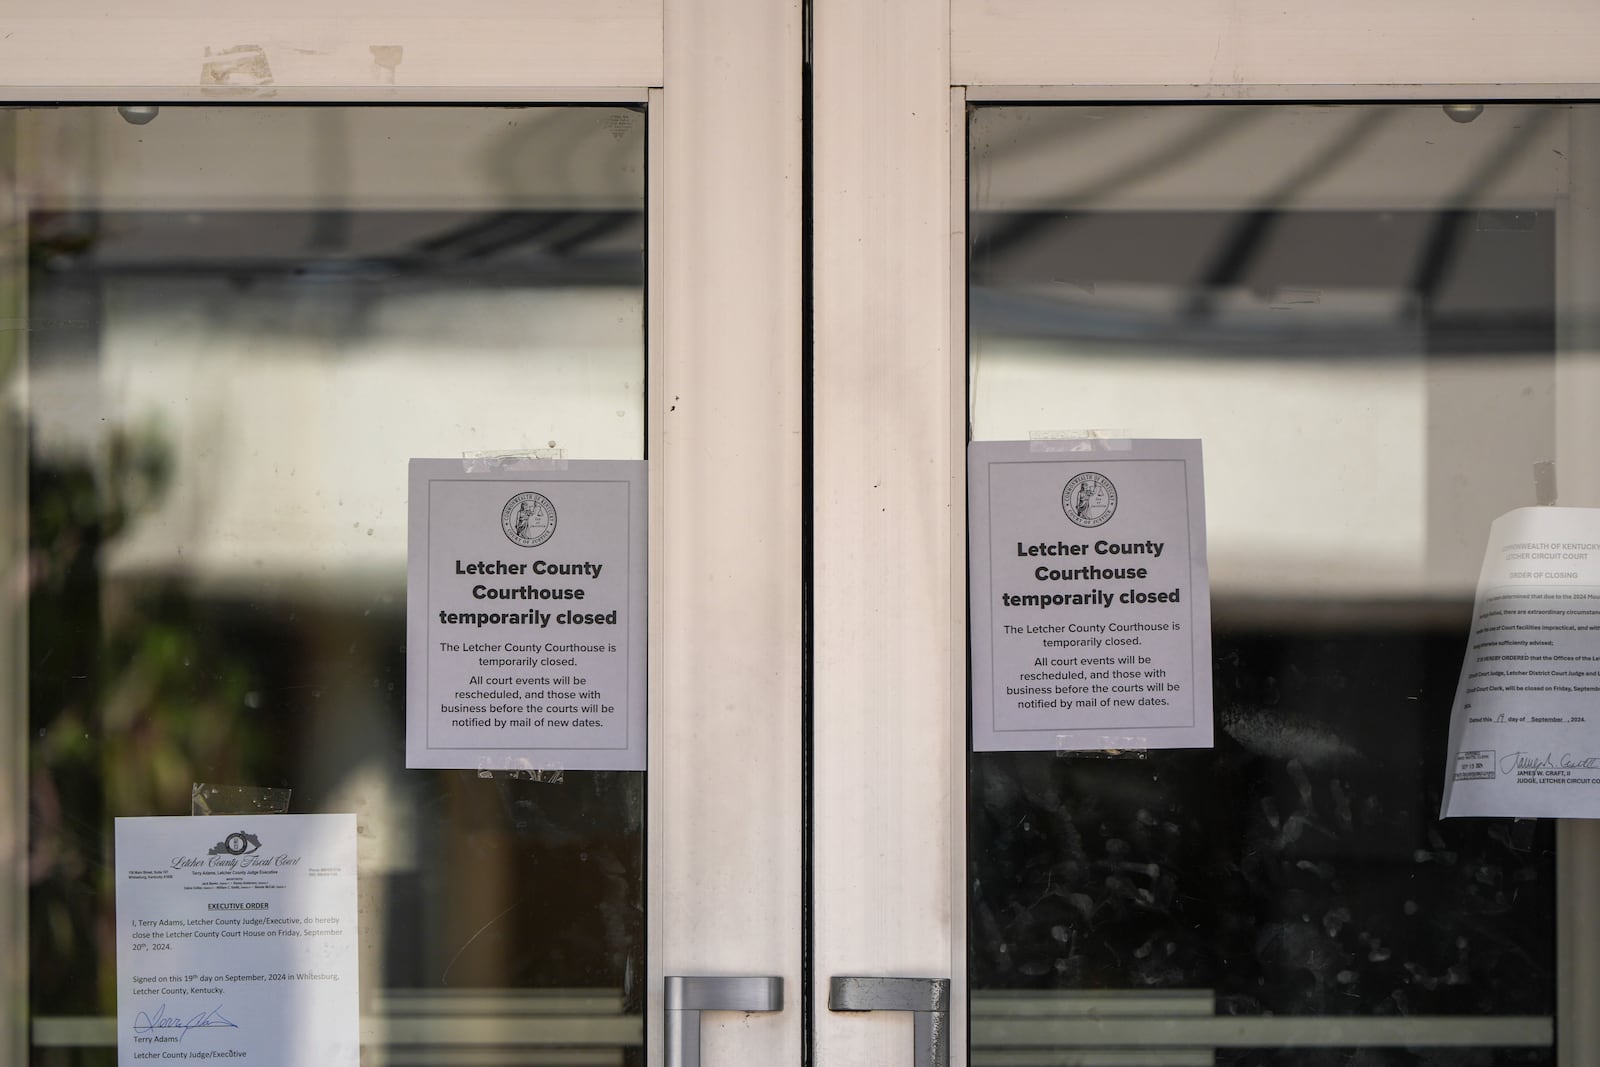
(1534, 761)
(160, 1021)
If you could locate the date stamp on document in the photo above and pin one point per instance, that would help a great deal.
(1474, 766)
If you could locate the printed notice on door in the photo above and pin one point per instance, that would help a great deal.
(1091, 606)
(1525, 728)
(525, 606)
(236, 941)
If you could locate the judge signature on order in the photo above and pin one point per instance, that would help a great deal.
(159, 1021)
(1541, 761)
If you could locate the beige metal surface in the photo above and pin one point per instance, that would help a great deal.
(725, 451)
(1212, 45)
(181, 49)
(956, 367)
(888, 443)
(1303, 93)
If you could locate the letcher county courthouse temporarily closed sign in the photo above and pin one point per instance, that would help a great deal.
(525, 608)
(1090, 604)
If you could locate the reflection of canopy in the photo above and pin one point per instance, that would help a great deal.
(1315, 292)
(291, 332)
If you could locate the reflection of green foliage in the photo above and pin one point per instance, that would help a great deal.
(160, 725)
(10, 307)
(132, 698)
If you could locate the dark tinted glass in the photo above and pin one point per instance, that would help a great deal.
(1361, 312)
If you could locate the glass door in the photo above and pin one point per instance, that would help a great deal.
(240, 324)
(1376, 321)
(1365, 315)
(233, 326)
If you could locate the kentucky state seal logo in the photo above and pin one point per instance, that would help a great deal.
(1089, 499)
(528, 519)
(238, 843)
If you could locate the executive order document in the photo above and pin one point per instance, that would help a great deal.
(236, 941)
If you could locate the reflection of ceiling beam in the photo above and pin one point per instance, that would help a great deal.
(1439, 249)
(1240, 330)
(544, 248)
(1209, 136)
(559, 233)
(604, 271)
(1233, 257)
(1427, 265)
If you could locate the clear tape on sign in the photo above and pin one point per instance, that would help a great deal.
(208, 798)
(537, 459)
(549, 772)
(1544, 483)
(1105, 746)
(1080, 441)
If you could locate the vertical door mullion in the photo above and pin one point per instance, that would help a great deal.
(889, 660)
(725, 450)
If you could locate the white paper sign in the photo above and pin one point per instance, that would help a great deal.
(236, 941)
(1525, 729)
(525, 607)
(1090, 603)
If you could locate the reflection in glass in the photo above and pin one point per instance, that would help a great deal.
(242, 324)
(1355, 308)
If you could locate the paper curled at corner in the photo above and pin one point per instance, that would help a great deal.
(1525, 727)
(207, 798)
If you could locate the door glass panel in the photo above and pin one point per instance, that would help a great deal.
(239, 325)
(1364, 313)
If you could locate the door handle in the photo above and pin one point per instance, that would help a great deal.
(686, 996)
(928, 1000)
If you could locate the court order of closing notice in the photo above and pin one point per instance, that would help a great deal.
(1525, 728)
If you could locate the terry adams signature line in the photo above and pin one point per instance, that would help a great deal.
(159, 1021)
(1540, 761)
